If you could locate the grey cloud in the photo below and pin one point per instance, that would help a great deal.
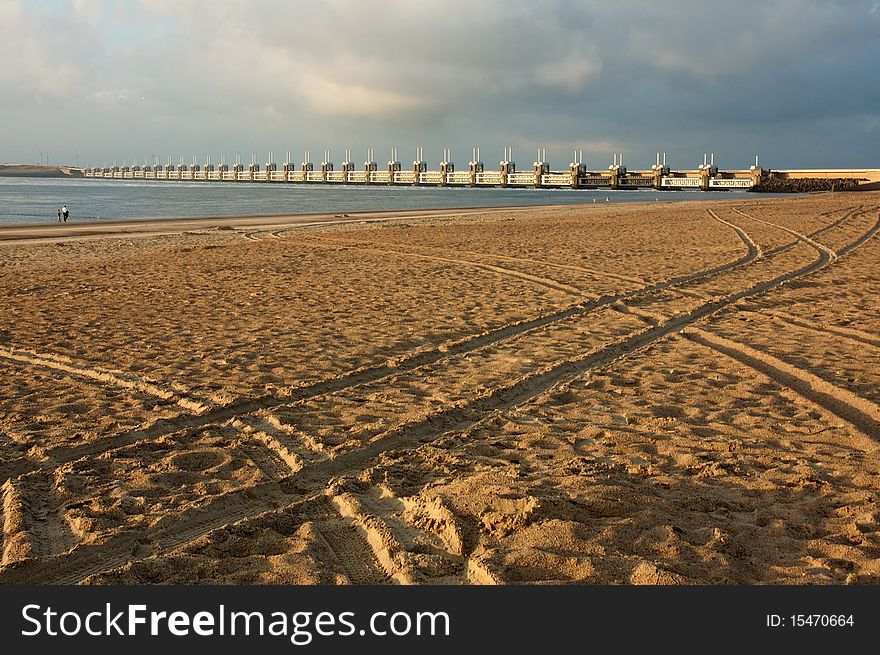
(795, 81)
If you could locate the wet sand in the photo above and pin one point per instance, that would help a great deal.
(77, 229)
(633, 394)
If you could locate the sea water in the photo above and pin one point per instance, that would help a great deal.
(37, 200)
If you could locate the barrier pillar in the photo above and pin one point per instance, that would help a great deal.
(708, 170)
(271, 167)
(307, 166)
(659, 171)
(614, 173)
(446, 166)
(617, 170)
(475, 167)
(326, 166)
(507, 166)
(540, 167)
(419, 167)
(757, 173)
(393, 167)
(289, 167)
(347, 167)
(369, 166)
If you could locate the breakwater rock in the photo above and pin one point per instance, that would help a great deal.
(805, 185)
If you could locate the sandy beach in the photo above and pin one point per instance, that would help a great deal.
(683, 393)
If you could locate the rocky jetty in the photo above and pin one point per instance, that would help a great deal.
(805, 185)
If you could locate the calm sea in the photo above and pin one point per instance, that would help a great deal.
(36, 200)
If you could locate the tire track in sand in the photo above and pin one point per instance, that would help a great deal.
(488, 255)
(164, 427)
(809, 324)
(124, 380)
(499, 270)
(459, 418)
(862, 239)
(44, 523)
(314, 479)
(353, 554)
(414, 540)
(848, 213)
(826, 254)
(15, 542)
(87, 560)
(862, 415)
(168, 534)
(851, 212)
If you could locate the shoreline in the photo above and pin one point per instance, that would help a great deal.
(24, 232)
(173, 225)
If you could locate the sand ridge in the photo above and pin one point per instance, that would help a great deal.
(627, 394)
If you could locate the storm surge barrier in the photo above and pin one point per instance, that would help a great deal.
(705, 177)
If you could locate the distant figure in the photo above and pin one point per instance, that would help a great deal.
(59, 215)
(607, 199)
(65, 213)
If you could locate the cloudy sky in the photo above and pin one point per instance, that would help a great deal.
(795, 81)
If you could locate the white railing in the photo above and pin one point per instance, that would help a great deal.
(335, 176)
(458, 177)
(228, 176)
(187, 175)
(357, 176)
(149, 175)
(295, 176)
(430, 177)
(314, 176)
(277, 176)
(244, 176)
(490, 177)
(213, 175)
(689, 182)
(521, 178)
(556, 179)
(127, 175)
(380, 176)
(161, 175)
(735, 183)
(404, 177)
(261, 176)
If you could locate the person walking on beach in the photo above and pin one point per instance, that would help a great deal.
(59, 215)
(65, 213)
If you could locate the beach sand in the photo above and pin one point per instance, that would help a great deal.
(636, 394)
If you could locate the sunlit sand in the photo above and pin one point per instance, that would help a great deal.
(633, 394)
